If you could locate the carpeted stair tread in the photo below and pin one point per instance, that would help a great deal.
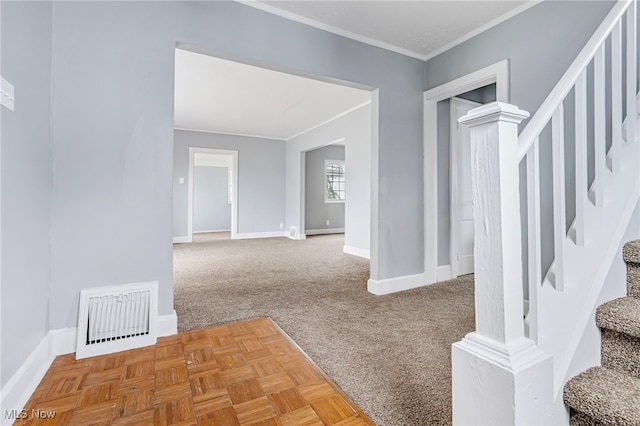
(607, 396)
(631, 252)
(621, 315)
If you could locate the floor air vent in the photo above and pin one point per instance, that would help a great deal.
(117, 318)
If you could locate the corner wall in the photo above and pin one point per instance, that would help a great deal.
(26, 182)
(355, 128)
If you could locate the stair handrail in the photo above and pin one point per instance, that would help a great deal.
(557, 95)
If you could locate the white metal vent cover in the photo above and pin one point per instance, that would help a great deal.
(117, 318)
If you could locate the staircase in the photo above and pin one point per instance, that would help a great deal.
(610, 394)
(566, 187)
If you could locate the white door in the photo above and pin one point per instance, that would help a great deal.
(461, 200)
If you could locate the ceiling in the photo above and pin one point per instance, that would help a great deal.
(221, 96)
(418, 28)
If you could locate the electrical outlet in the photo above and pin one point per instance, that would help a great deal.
(328, 222)
(181, 180)
(281, 225)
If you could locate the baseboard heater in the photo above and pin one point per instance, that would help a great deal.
(117, 318)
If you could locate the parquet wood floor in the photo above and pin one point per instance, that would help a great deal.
(247, 373)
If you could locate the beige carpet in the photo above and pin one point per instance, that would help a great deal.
(391, 354)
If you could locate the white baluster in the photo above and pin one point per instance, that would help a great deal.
(616, 97)
(533, 232)
(582, 185)
(559, 200)
(599, 126)
(631, 73)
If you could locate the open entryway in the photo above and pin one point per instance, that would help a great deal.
(449, 227)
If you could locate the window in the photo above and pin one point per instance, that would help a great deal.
(334, 181)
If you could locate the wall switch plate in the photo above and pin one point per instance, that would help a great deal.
(7, 94)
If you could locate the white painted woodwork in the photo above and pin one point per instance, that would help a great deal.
(461, 198)
(231, 159)
(599, 125)
(534, 244)
(631, 71)
(499, 376)
(419, 29)
(497, 73)
(487, 361)
(540, 119)
(582, 180)
(497, 251)
(616, 96)
(559, 200)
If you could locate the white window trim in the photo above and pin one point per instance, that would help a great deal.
(324, 182)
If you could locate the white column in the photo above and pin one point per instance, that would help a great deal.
(499, 375)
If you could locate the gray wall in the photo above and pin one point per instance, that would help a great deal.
(316, 210)
(26, 182)
(113, 73)
(211, 207)
(355, 129)
(538, 56)
(261, 177)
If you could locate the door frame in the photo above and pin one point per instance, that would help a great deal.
(454, 184)
(497, 73)
(234, 187)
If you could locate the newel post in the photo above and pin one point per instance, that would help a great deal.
(498, 375)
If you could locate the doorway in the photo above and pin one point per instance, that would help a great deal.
(438, 263)
(201, 159)
(461, 224)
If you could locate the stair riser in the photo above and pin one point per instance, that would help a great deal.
(633, 280)
(621, 352)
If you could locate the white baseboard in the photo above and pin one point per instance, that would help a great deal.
(394, 285)
(185, 239)
(356, 251)
(324, 231)
(20, 387)
(445, 273)
(212, 230)
(167, 324)
(298, 237)
(250, 235)
(17, 391)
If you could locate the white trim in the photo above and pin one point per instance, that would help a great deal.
(324, 231)
(497, 73)
(243, 135)
(444, 273)
(234, 183)
(250, 235)
(23, 383)
(356, 251)
(454, 184)
(209, 231)
(334, 118)
(381, 44)
(184, 239)
(396, 284)
(20, 387)
(167, 325)
(483, 28)
(331, 29)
